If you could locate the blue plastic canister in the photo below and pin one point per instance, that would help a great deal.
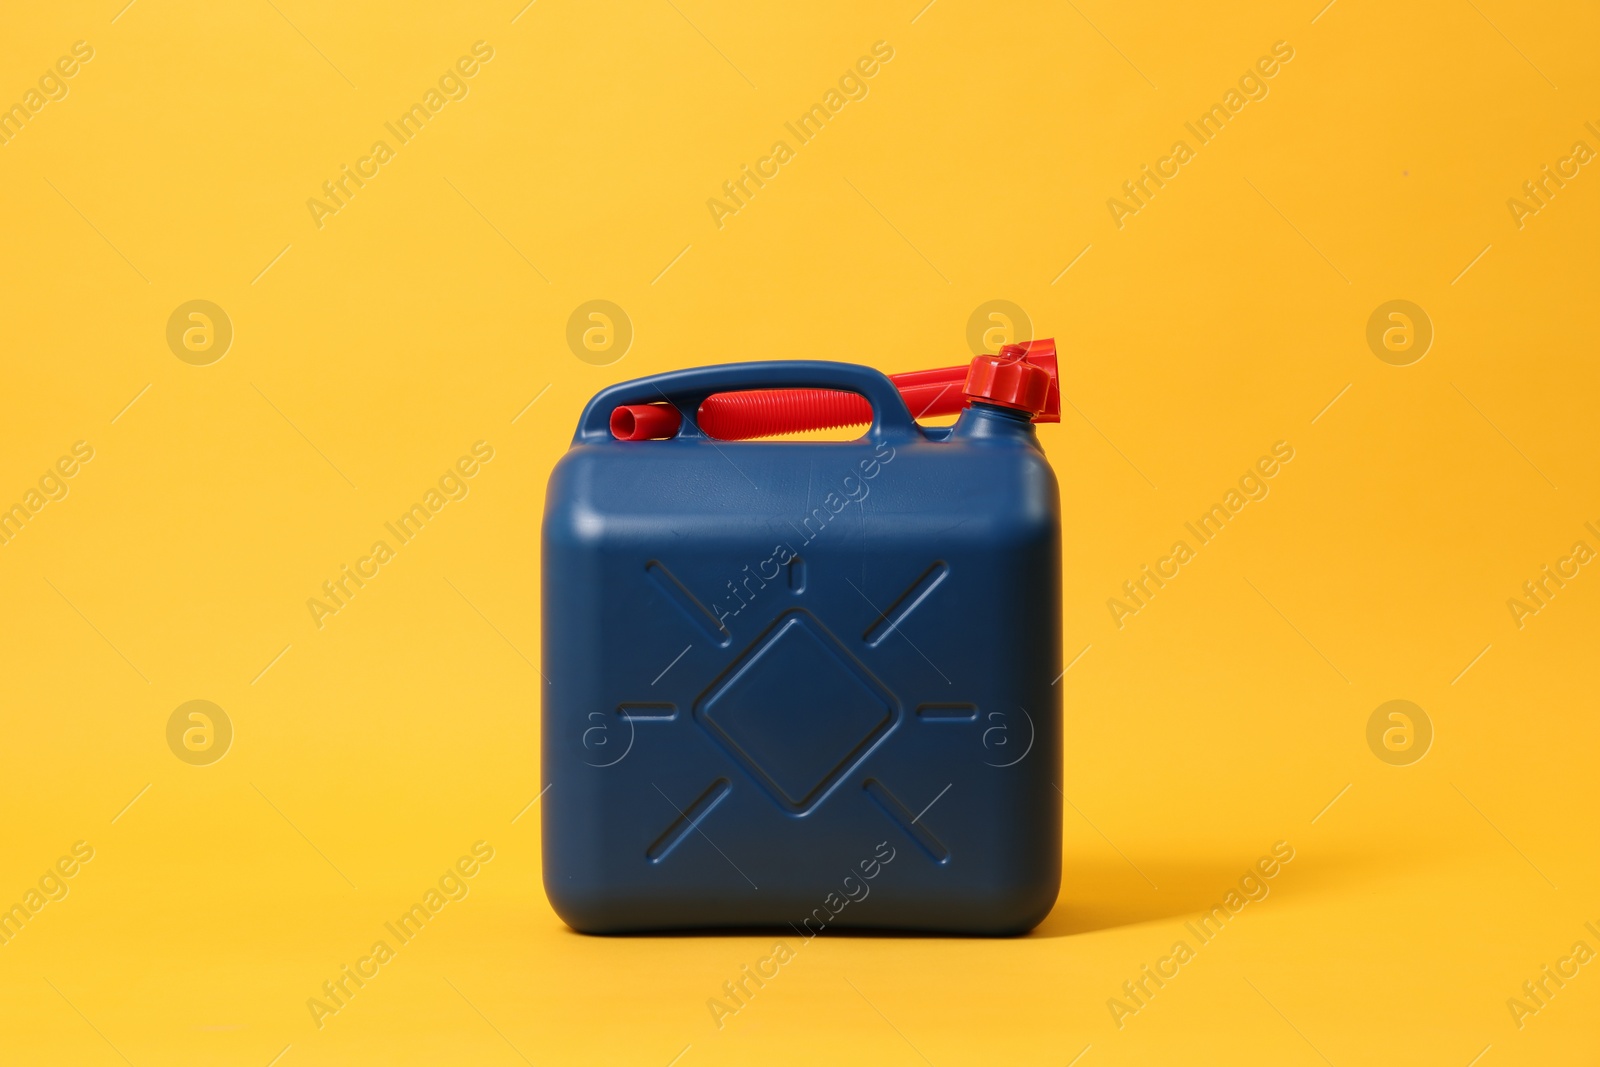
(802, 684)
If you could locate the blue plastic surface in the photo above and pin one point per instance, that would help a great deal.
(802, 685)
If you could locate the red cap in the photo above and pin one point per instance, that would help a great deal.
(1020, 377)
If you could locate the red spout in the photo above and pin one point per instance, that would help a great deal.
(644, 422)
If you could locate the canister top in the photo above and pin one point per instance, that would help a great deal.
(1018, 377)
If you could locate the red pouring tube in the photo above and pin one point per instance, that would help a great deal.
(753, 413)
(644, 422)
(768, 412)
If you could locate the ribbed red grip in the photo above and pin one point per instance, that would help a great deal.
(771, 412)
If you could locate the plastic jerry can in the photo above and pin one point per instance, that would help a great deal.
(805, 684)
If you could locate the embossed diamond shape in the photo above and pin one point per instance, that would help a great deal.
(797, 709)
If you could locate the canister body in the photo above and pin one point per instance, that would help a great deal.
(803, 685)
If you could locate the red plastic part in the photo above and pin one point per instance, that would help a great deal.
(766, 412)
(644, 422)
(771, 412)
(931, 393)
(1012, 379)
(1042, 353)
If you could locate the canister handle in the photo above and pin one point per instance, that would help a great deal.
(685, 390)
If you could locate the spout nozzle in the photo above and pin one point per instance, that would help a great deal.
(644, 422)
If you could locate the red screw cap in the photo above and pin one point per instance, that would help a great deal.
(1015, 378)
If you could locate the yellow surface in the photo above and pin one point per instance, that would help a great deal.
(373, 345)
